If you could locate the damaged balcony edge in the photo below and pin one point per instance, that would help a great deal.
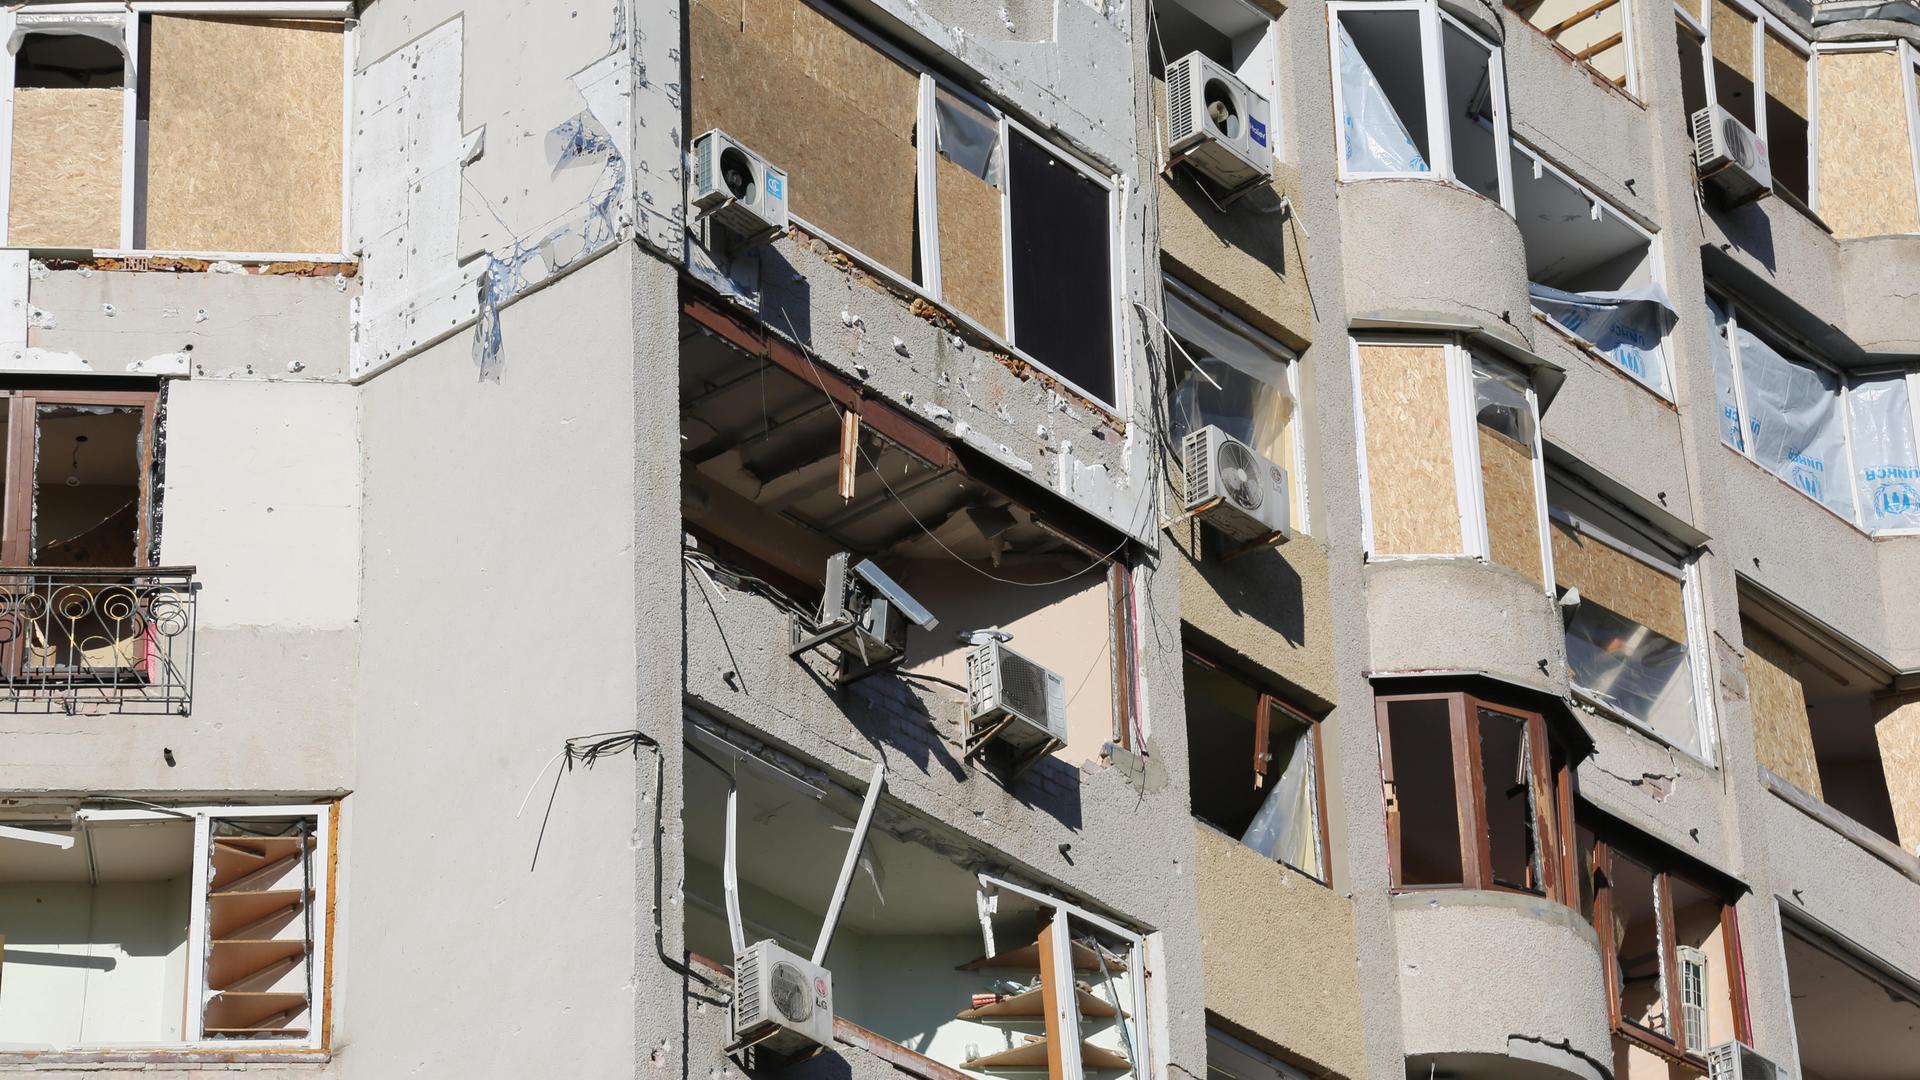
(1872, 843)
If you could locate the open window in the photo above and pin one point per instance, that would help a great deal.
(1419, 95)
(933, 964)
(1230, 375)
(1592, 273)
(1745, 60)
(119, 140)
(923, 180)
(1853, 1014)
(1253, 766)
(1593, 33)
(1670, 949)
(1629, 601)
(163, 928)
(1450, 454)
(1473, 792)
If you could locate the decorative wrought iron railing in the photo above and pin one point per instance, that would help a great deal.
(84, 641)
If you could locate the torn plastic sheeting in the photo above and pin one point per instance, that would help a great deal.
(1795, 423)
(967, 136)
(1376, 139)
(578, 142)
(1886, 464)
(1635, 671)
(1626, 326)
(111, 29)
(1244, 390)
(1723, 376)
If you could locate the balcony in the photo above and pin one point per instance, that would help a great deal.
(90, 641)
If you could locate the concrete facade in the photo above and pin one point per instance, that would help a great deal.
(462, 583)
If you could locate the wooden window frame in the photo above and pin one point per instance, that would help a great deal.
(17, 507)
(1673, 1044)
(1552, 798)
(1266, 700)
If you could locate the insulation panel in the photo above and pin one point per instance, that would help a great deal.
(1513, 511)
(1619, 582)
(808, 95)
(1409, 441)
(1782, 733)
(972, 274)
(1787, 76)
(244, 136)
(1866, 168)
(66, 167)
(1733, 38)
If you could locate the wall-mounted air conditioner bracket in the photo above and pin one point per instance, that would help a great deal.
(978, 739)
(855, 661)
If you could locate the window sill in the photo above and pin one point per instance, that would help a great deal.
(1668, 1052)
(1872, 842)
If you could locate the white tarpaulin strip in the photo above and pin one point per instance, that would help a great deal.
(1886, 466)
(1627, 327)
(1376, 139)
(1723, 377)
(1795, 422)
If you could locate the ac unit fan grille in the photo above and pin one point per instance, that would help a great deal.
(791, 994)
(1240, 478)
(1023, 687)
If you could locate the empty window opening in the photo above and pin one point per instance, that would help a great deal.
(1733, 61)
(1424, 799)
(1507, 772)
(1384, 129)
(925, 954)
(1472, 118)
(1062, 270)
(1693, 70)
(69, 118)
(1760, 71)
(1854, 1018)
(1594, 33)
(1789, 130)
(1639, 963)
(1253, 766)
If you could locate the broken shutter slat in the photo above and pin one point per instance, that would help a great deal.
(849, 452)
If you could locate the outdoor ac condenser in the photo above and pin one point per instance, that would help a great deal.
(1738, 1061)
(737, 188)
(1216, 123)
(1233, 488)
(782, 1001)
(1025, 702)
(1730, 156)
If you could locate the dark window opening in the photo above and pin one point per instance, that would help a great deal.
(1253, 767)
(68, 62)
(1693, 72)
(1062, 267)
(1512, 827)
(1425, 801)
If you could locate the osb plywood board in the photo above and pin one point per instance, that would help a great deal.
(66, 167)
(1787, 75)
(1733, 37)
(1866, 169)
(243, 134)
(1899, 735)
(971, 271)
(1513, 515)
(831, 110)
(1410, 483)
(1618, 582)
(1782, 736)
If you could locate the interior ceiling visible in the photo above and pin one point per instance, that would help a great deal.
(1563, 239)
(120, 851)
(1850, 1025)
(749, 427)
(792, 845)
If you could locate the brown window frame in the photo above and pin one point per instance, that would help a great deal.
(17, 515)
(1266, 700)
(1661, 869)
(1553, 812)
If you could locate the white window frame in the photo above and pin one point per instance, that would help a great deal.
(1288, 360)
(131, 193)
(197, 943)
(1656, 263)
(1433, 71)
(1763, 21)
(1464, 427)
(926, 210)
(1252, 1063)
(1670, 558)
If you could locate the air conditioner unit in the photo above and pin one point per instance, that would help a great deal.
(1234, 489)
(864, 616)
(1217, 123)
(737, 188)
(1011, 699)
(782, 1002)
(1730, 155)
(1738, 1061)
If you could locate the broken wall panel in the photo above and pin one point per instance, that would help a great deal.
(1782, 732)
(1409, 446)
(67, 146)
(972, 270)
(1866, 168)
(243, 134)
(1513, 521)
(844, 125)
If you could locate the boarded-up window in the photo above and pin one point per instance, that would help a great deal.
(69, 109)
(967, 182)
(1411, 490)
(1733, 65)
(836, 113)
(243, 134)
(1507, 482)
(1782, 731)
(1787, 115)
(1866, 166)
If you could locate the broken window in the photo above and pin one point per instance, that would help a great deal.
(969, 970)
(922, 179)
(1670, 949)
(1627, 598)
(1591, 270)
(1592, 33)
(1229, 375)
(1410, 109)
(1473, 795)
(100, 913)
(1253, 766)
(1761, 71)
(156, 155)
(1447, 473)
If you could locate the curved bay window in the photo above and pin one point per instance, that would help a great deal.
(1477, 795)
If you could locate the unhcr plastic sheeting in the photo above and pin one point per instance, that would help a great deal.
(1627, 327)
(1886, 468)
(1723, 377)
(1795, 422)
(1377, 142)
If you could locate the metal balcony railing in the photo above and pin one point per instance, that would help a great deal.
(87, 641)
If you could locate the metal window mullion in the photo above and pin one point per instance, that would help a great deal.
(1005, 151)
(1360, 445)
(130, 197)
(1813, 130)
(1760, 78)
(1539, 493)
(1433, 73)
(1066, 1003)
(928, 209)
(1739, 380)
(1627, 47)
(1706, 59)
(7, 79)
(349, 38)
(1909, 57)
(1502, 127)
(1846, 435)
(1466, 454)
(1699, 661)
(1297, 485)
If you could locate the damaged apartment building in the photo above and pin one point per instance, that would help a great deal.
(1222, 539)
